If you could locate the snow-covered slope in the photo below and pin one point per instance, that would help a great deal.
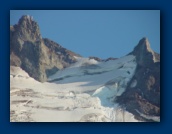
(85, 91)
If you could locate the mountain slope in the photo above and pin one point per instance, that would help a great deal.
(85, 91)
(88, 90)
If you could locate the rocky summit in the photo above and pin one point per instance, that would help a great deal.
(143, 91)
(39, 57)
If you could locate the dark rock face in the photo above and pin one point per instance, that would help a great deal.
(38, 57)
(111, 58)
(102, 60)
(142, 94)
(145, 56)
(95, 58)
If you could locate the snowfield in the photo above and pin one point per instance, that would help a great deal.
(84, 92)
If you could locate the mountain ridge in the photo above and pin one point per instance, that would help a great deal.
(25, 36)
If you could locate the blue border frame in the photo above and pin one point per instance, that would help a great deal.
(166, 28)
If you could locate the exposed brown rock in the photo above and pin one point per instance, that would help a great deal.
(145, 96)
(38, 57)
(100, 60)
(110, 58)
(95, 58)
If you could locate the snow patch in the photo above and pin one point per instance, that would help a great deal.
(133, 84)
(154, 118)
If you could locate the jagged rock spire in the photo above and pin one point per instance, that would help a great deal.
(28, 29)
(145, 56)
(143, 45)
(39, 57)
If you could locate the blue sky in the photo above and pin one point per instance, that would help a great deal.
(101, 33)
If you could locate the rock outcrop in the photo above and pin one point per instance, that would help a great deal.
(39, 57)
(142, 95)
(102, 60)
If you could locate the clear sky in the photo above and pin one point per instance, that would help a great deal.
(101, 33)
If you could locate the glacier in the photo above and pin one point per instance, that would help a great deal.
(84, 92)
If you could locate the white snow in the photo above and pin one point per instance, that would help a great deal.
(154, 118)
(133, 84)
(85, 91)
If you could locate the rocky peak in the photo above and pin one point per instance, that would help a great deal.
(145, 95)
(26, 18)
(28, 29)
(144, 54)
(143, 45)
(39, 57)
